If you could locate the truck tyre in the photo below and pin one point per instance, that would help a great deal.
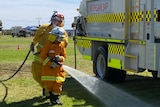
(100, 63)
(101, 69)
(155, 74)
(118, 76)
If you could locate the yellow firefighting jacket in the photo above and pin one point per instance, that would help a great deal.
(49, 51)
(41, 38)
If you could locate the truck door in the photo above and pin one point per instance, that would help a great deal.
(135, 30)
(137, 22)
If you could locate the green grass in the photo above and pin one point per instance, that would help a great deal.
(24, 91)
(10, 53)
(9, 48)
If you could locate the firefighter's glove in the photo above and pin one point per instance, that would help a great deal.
(32, 47)
(54, 65)
(57, 58)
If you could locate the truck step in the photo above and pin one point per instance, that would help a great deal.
(131, 70)
(130, 56)
(134, 41)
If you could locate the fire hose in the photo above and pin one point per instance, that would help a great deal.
(2, 81)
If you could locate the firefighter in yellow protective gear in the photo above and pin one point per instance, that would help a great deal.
(53, 54)
(40, 39)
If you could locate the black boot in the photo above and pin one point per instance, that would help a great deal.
(45, 93)
(57, 100)
(54, 99)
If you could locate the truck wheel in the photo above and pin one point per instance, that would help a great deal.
(155, 74)
(118, 76)
(100, 63)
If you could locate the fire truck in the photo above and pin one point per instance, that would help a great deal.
(119, 36)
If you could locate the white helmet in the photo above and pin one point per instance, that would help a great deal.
(57, 32)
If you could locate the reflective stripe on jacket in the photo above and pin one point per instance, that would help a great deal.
(37, 58)
(48, 73)
(45, 61)
(52, 78)
(40, 46)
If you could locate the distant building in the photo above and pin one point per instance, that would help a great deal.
(1, 27)
(23, 32)
(16, 31)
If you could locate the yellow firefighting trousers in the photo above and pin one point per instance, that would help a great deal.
(36, 71)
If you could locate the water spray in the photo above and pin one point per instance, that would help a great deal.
(107, 93)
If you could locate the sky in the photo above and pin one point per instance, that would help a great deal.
(34, 12)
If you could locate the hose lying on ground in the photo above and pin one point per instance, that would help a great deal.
(1, 81)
